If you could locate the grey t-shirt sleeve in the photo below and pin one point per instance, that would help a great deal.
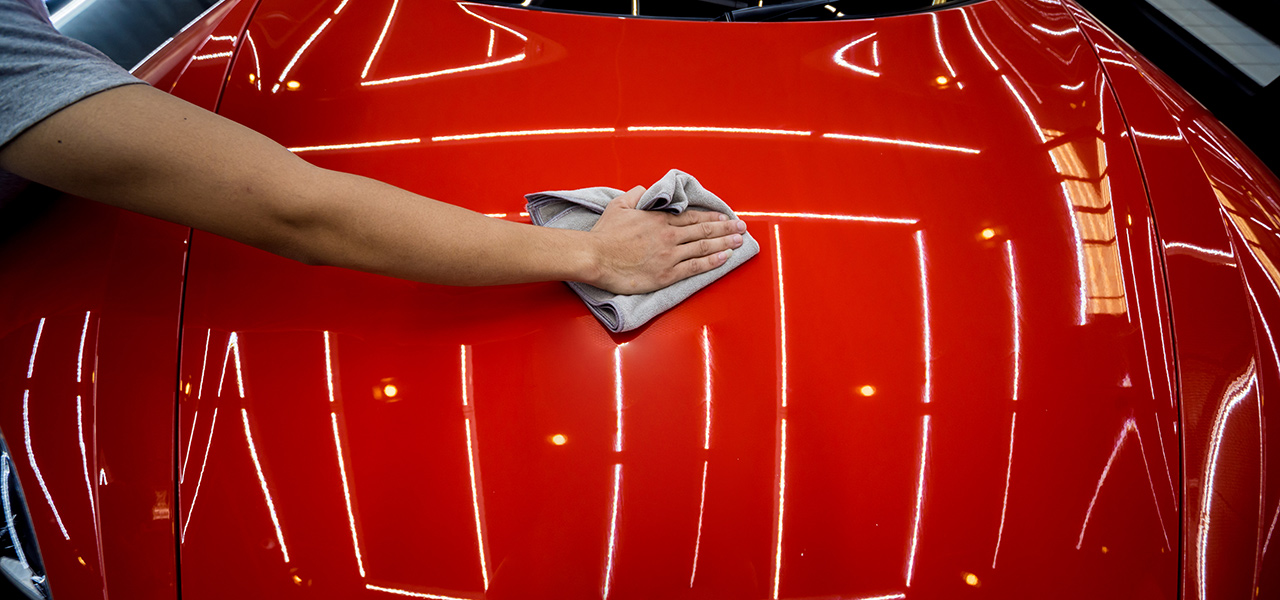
(43, 71)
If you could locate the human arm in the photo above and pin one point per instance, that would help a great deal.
(140, 149)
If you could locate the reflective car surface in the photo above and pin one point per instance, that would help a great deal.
(1008, 334)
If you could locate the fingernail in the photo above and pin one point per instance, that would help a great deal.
(742, 225)
(724, 217)
(726, 254)
(737, 240)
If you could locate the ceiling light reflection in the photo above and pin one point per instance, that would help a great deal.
(399, 592)
(200, 479)
(1232, 397)
(925, 320)
(613, 528)
(839, 59)
(937, 42)
(293, 61)
(381, 36)
(915, 529)
(898, 142)
(520, 133)
(31, 456)
(701, 129)
(31, 366)
(792, 215)
(1008, 476)
(262, 480)
(403, 142)
(346, 493)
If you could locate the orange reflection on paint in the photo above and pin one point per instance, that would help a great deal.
(559, 439)
(867, 390)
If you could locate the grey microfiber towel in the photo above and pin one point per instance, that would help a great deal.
(675, 193)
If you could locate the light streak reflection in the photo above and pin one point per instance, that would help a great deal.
(921, 258)
(84, 460)
(233, 348)
(289, 67)
(356, 145)
(1165, 460)
(937, 41)
(613, 528)
(782, 414)
(706, 444)
(521, 133)
(974, 36)
(839, 59)
(381, 36)
(1017, 317)
(1232, 398)
(915, 528)
(487, 65)
(830, 217)
(1129, 425)
(896, 142)
(31, 456)
(473, 457)
(35, 347)
(262, 480)
(328, 366)
(399, 592)
(200, 479)
(782, 500)
(1008, 475)
(5, 473)
(346, 493)
(709, 129)
(204, 364)
(84, 333)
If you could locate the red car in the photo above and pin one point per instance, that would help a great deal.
(1008, 334)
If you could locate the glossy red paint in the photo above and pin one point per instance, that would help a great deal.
(726, 449)
(957, 379)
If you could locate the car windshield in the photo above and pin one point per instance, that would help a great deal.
(738, 10)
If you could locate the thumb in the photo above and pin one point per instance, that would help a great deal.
(629, 199)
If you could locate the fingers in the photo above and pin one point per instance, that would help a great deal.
(630, 199)
(692, 216)
(709, 228)
(698, 266)
(708, 246)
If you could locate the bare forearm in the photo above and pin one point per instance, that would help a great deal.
(143, 150)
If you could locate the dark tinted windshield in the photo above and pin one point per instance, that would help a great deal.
(738, 10)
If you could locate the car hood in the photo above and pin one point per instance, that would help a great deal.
(947, 368)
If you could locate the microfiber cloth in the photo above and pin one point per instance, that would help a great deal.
(675, 193)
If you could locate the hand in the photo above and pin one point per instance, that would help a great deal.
(639, 251)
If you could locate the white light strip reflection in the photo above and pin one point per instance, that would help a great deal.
(875, 52)
(398, 592)
(1151, 482)
(1153, 136)
(84, 460)
(403, 142)
(346, 493)
(378, 45)
(1235, 394)
(1053, 32)
(1156, 269)
(974, 36)
(915, 529)
(880, 140)
(1165, 460)
(496, 215)
(1119, 63)
(697, 542)
(523, 133)
(492, 34)
(233, 347)
(340, 7)
(463, 372)
(464, 5)
(257, 65)
(1035, 125)
(84, 333)
(1270, 531)
(1008, 475)
(617, 396)
(1210, 254)
(927, 393)
(262, 480)
(475, 506)
(897, 596)
(186, 456)
(613, 528)
(1124, 435)
(227, 54)
(328, 366)
(1072, 87)
(1078, 241)
(838, 57)
(937, 41)
(31, 456)
(1142, 331)
(782, 501)
(487, 65)
(706, 387)
(782, 315)
(31, 366)
(1017, 317)
(829, 217)
(196, 496)
(683, 128)
(289, 67)
(204, 364)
